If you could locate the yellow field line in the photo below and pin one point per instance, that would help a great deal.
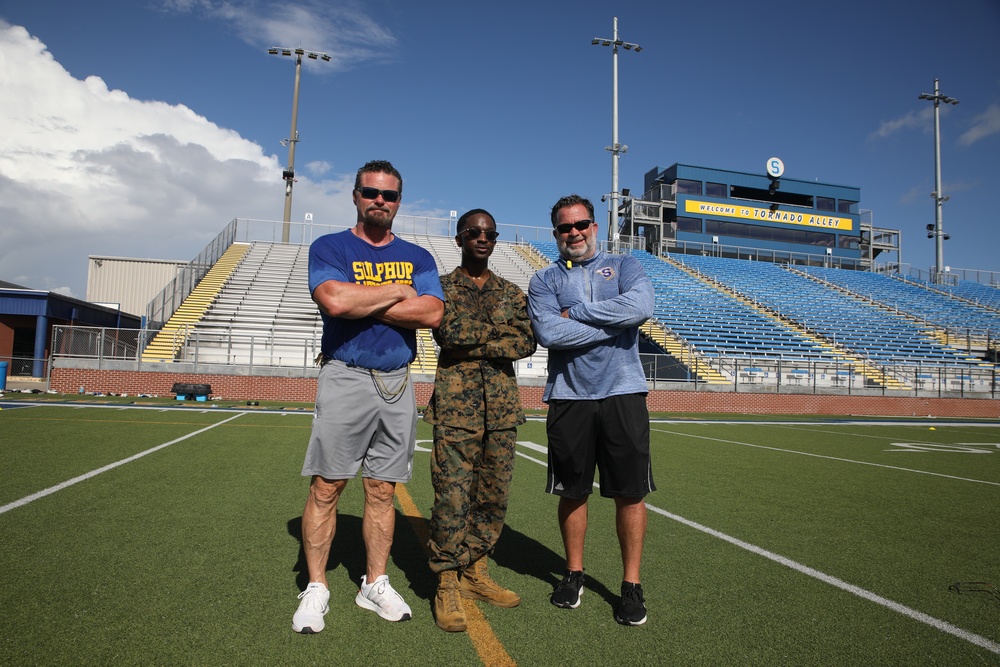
(489, 648)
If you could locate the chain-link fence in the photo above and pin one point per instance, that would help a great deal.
(23, 373)
(20, 367)
(98, 342)
(203, 351)
(798, 375)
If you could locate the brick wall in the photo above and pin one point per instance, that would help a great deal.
(229, 387)
(261, 388)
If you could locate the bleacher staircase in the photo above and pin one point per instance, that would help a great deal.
(171, 338)
(673, 346)
(531, 256)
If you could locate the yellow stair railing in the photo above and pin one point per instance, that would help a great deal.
(170, 340)
(426, 361)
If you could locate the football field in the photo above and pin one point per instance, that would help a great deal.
(167, 535)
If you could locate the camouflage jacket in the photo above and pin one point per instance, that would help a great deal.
(482, 333)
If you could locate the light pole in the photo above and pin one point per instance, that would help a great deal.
(615, 148)
(293, 137)
(937, 231)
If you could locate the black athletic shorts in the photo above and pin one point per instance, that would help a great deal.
(611, 434)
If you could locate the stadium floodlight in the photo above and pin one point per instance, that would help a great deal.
(939, 197)
(288, 175)
(615, 148)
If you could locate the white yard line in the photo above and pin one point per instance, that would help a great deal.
(937, 623)
(111, 466)
(823, 456)
(865, 594)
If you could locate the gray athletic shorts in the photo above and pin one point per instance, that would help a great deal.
(362, 417)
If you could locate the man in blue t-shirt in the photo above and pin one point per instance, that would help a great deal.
(586, 309)
(374, 290)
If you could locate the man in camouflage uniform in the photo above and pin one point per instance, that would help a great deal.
(475, 410)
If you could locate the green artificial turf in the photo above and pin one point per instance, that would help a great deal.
(191, 554)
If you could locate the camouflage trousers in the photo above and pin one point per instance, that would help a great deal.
(471, 472)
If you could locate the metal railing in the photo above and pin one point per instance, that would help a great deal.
(172, 296)
(951, 276)
(295, 356)
(164, 304)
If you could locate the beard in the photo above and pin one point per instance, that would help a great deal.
(379, 218)
(577, 253)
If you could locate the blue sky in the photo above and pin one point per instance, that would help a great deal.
(141, 128)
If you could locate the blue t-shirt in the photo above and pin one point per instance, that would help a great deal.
(366, 342)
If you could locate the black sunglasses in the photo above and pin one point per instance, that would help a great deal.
(390, 196)
(474, 233)
(579, 226)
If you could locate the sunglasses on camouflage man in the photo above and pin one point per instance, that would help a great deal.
(389, 196)
(474, 233)
(579, 225)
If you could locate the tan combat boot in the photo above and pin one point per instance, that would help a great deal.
(478, 585)
(448, 612)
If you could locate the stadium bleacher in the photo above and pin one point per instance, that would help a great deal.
(987, 296)
(920, 300)
(263, 313)
(735, 320)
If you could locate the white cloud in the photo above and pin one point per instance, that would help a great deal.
(342, 30)
(912, 120)
(318, 167)
(88, 170)
(983, 125)
(921, 193)
(918, 194)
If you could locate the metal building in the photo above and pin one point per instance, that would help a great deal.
(128, 283)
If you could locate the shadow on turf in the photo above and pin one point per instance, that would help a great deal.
(522, 554)
(346, 550)
(515, 551)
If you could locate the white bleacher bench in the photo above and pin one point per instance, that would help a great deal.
(797, 376)
(840, 378)
(961, 379)
(752, 375)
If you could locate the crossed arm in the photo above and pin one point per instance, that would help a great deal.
(463, 336)
(394, 303)
(555, 328)
(586, 323)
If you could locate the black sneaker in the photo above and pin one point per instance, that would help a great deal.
(568, 591)
(632, 610)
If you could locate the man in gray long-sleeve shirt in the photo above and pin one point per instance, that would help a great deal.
(586, 309)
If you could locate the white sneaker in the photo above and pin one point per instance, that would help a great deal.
(308, 619)
(381, 598)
